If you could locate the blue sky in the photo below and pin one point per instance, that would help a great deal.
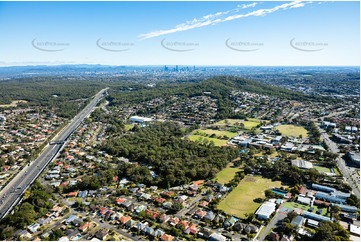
(180, 33)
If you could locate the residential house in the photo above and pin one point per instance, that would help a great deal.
(192, 211)
(209, 216)
(200, 214)
(148, 230)
(158, 233)
(70, 219)
(203, 204)
(273, 236)
(130, 223)
(166, 237)
(102, 234)
(250, 228)
(192, 229)
(183, 224)
(173, 221)
(205, 233)
(33, 227)
(119, 201)
(124, 219)
(164, 218)
(85, 227)
(298, 221)
(220, 218)
(230, 222)
(238, 226)
(217, 237)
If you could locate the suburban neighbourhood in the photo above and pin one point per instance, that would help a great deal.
(283, 183)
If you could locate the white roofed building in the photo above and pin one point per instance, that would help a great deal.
(265, 210)
(138, 119)
(302, 164)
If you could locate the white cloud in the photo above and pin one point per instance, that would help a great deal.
(212, 19)
(251, 5)
(298, 5)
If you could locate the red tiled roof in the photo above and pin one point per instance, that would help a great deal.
(120, 200)
(85, 227)
(159, 200)
(197, 183)
(184, 223)
(72, 194)
(174, 220)
(124, 219)
(193, 229)
(166, 237)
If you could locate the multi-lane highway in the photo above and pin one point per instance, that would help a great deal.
(345, 171)
(12, 193)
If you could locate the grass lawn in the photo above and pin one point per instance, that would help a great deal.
(295, 205)
(226, 174)
(338, 173)
(249, 124)
(292, 130)
(217, 132)
(228, 122)
(240, 200)
(128, 126)
(322, 169)
(217, 142)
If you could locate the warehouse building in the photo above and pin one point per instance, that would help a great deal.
(315, 216)
(329, 198)
(137, 119)
(265, 210)
(302, 164)
(322, 188)
(346, 208)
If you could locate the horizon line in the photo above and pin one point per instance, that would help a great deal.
(157, 65)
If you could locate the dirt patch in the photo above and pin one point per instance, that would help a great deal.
(250, 179)
(13, 104)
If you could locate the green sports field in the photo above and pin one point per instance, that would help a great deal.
(226, 174)
(292, 130)
(217, 132)
(217, 142)
(240, 201)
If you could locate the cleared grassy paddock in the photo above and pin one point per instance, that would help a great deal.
(226, 174)
(128, 126)
(217, 132)
(217, 142)
(240, 201)
(322, 169)
(12, 104)
(248, 124)
(292, 130)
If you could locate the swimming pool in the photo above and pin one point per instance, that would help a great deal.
(279, 192)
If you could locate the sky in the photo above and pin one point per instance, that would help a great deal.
(258, 33)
